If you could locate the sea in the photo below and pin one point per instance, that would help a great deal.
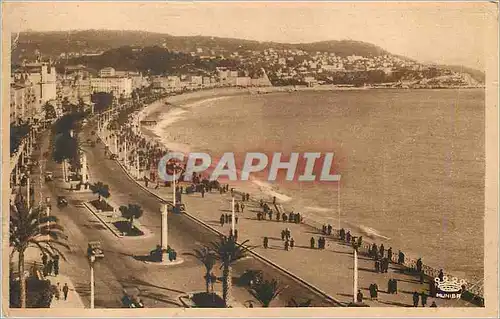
(412, 162)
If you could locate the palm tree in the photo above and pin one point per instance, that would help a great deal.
(130, 212)
(32, 227)
(208, 258)
(228, 251)
(100, 189)
(294, 303)
(266, 291)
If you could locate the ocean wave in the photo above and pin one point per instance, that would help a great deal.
(268, 189)
(318, 209)
(371, 232)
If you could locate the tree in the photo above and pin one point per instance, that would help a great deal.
(130, 212)
(33, 228)
(65, 148)
(50, 111)
(265, 292)
(208, 258)
(228, 251)
(100, 189)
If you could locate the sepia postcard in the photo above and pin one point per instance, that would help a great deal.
(249, 159)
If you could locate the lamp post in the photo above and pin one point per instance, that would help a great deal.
(94, 251)
(233, 221)
(355, 246)
(164, 232)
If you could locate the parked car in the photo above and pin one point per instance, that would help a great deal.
(131, 298)
(62, 201)
(48, 176)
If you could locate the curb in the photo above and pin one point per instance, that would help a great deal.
(258, 256)
(101, 220)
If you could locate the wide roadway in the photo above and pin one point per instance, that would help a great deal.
(160, 286)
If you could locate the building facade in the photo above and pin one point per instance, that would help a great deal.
(116, 85)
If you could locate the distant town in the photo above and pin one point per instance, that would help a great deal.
(75, 75)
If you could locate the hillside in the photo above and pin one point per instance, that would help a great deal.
(56, 42)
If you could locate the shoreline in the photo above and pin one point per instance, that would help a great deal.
(187, 100)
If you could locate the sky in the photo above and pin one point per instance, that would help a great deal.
(446, 33)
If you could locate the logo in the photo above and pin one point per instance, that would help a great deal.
(300, 166)
(449, 288)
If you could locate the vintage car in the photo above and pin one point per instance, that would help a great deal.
(131, 298)
(62, 201)
(48, 176)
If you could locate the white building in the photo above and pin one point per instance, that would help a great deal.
(44, 78)
(115, 85)
(107, 72)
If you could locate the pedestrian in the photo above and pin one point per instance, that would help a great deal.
(389, 254)
(261, 202)
(65, 291)
(423, 298)
(222, 219)
(203, 193)
(342, 234)
(44, 259)
(287, 244)
(441, 275)
(381, 250)
(283, 217)
(278, 215)
(242, 197)
(395, 285)
(266, 242)
(323, 230)
(283, 235)
(236, 219)
(419, 265)
(292, 242)
(385, 263)
(374, 251)
(271, 214)
(421, 275)
(248, 197)
(329, 229)
(242, 206)
(227, 218)
(235, 235)
(416, 298)
(237, 207)
(359, 296)
(360, 241)
(50, 267)
(312, 242)
(58, 294)
(401, 258)
(377, 265)
(274, 200)
(433, 305)
(348, 237)
(390, 286)
(56, 265)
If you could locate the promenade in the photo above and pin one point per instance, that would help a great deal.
(330, 269)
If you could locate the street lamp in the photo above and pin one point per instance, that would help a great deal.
(94, 252)
(355, 246)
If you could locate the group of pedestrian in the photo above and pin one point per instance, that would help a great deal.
(227, 218)
(382, 265)
(327, 229)
(238, 206)
(50, 266)
(321, 243)
(422, 297)
(392, 286)
(64, 289)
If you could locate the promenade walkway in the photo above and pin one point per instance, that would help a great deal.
(330, 269)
